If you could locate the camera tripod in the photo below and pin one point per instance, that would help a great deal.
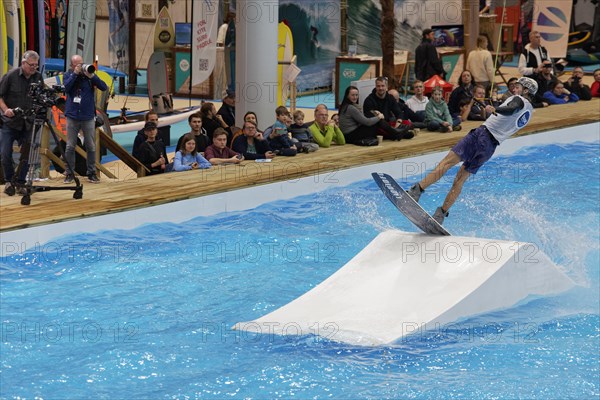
(33, 159)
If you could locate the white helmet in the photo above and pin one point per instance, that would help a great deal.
(528, 84)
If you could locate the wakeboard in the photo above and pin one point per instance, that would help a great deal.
(407, 205)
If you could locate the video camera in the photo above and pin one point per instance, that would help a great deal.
(43, 97)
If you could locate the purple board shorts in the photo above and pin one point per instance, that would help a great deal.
(475, 148)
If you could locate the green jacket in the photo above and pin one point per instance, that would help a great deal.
(437, 112)
(324, 137)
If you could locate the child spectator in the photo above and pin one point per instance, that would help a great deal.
(437, 115)
(188, 157)
(301, 134)
(279, 139)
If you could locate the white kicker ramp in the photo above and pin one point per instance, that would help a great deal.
(404, 280)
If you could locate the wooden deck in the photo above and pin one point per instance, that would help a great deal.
(128, 192)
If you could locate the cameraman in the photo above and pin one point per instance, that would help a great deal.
(575, 85)
(14, 92)
(80, 82)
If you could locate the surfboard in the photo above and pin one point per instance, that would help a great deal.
(60, 16)
(47, 28)
(11, 15)
(285, 52)
(407, 205)
(164, 32)
(3, 41)
(41, 34)
(23, 30)
(158, 75)
(30, 26)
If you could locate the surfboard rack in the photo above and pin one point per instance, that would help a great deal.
(404, 283)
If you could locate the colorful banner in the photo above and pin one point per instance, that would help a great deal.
(552, 19)
(205, 24)
(80, 30)
(118, 41)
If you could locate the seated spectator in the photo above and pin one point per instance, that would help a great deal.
(251, 116)
(575, 85)
(324, 131)
(464, 90)
(211, 121)
(595, 89)
(301, 134)
(336, 119)
(188, 157)
(437, 115)
(357, 128)
(227, 109)
(418, 101)
(140, 138)
(557, 94)
(218, 153)
(544, 79)
(393, 111)
(511, 85)
(195, 122)
(153, 153)
(251, 143)
(279, 138)
(480, 110)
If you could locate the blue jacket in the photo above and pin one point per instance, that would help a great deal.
(554, 99)
(83, 87)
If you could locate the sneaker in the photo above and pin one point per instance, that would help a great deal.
(439, 215)
(456, 128)
(93, 178)
(415, 192)
(22, 191)
(69, 178)
(9, 189)
(408, 134)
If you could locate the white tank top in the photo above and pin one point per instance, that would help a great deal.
(504, 126)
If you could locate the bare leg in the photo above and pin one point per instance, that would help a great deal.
(440, 170)
(459, 181)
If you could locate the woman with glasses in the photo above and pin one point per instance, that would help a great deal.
(251, 143)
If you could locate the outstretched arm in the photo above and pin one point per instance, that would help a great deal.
(516, 104)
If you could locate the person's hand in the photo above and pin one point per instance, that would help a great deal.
(77, 69)
(219, 117)
(269, 154)
(489, 109)
(331, 123)
(545, 104)
(259, 136)
(9, 113)
(194, 165)
(449, 128)
(445, 123)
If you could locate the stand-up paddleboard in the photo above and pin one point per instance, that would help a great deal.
(60, 16)
(41, 34)
(23, 30)
(11, 15)
(158, 75)
(285, 52)
(3, 41)
(48, 27)
(407, 205)
(164, 32)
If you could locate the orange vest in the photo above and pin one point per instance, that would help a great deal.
(59, 119)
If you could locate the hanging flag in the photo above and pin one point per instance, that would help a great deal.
(205, 24)
(552, 19)
(80, 30)
(118, 40)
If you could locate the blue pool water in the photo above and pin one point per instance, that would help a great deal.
(145, 313)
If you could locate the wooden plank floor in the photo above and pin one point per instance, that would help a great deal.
(128, 192)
